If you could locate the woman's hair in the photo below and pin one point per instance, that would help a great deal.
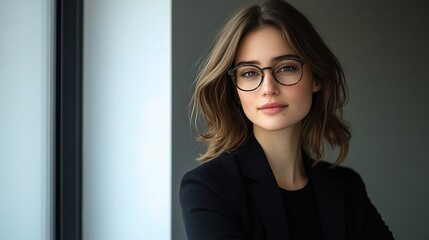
(216, 98)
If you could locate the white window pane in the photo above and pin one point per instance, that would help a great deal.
(26, 114)
(127, 126)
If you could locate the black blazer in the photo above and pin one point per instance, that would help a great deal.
(235, 196)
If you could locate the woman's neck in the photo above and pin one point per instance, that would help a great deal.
(283, 151)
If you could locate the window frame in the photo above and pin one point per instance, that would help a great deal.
(68, 120)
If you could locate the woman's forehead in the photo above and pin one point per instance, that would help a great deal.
(263, 45)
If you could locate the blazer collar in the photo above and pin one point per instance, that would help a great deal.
(263, 189)
(266, 195)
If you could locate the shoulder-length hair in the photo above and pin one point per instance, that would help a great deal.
(216, 98)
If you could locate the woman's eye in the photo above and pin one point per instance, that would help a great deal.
(249, 74)
(286, 69)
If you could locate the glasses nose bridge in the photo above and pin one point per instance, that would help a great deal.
(265, 68)
(263, 72)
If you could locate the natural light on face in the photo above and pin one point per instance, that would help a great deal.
(273, 106)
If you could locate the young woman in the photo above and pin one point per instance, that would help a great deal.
(271, 94)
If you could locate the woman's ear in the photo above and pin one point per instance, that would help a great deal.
(316, 85)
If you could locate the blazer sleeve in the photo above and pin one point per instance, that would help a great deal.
(205, 209)
(369, 222)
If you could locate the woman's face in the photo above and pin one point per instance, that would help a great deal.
(272, 106)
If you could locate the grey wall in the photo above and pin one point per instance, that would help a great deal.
(383, 46)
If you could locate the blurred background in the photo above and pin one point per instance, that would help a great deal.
(138, 61)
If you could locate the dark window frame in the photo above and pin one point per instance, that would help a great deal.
(68, 119)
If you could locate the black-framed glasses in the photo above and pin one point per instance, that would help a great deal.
(248, 77)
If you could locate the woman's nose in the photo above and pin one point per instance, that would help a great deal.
(269, 85)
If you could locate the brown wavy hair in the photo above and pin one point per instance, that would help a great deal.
(216, 98)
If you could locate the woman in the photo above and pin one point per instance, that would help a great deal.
(271, 93)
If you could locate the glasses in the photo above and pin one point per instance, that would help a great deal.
(248, 77)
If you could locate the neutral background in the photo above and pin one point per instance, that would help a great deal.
(383, 46)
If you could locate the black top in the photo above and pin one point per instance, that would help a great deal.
(302, 213)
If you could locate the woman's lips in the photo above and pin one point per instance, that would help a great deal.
(272, 108)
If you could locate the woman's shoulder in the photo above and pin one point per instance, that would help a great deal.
(351, 182)
(215, 184)
(339, 170)
(341, 173)
(221, 174)
(223, 165)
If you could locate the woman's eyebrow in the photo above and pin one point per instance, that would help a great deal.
(247, 63)
(274, 59)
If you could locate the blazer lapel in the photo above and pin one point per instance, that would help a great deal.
(263, 190)
(330, 200)
(267, 198)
